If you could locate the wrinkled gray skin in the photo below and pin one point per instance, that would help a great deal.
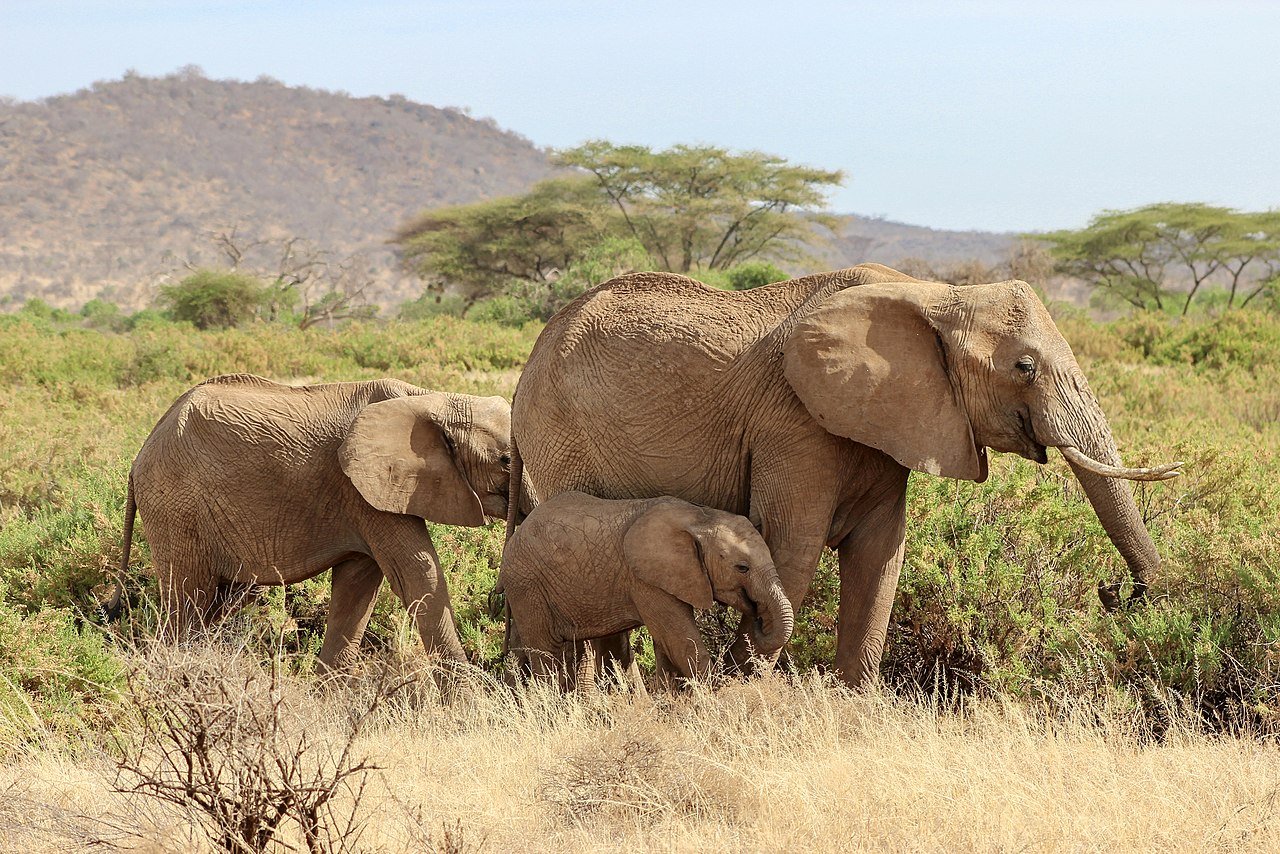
(581, 567)
(247, 482)
(804, 405)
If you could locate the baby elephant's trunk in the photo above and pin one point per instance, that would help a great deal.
(776, 620)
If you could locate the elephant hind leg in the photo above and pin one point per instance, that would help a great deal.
(355, 589)
(551, 662)
(189, 595)
(611, 662)
(229, 597)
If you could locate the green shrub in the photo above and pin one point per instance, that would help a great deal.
(1237, 339)
(147, 318)
(432, 304)
(216, 299)
(753, 274)
(100, 314)
(504, 310)
(38, 308)
(57, 676)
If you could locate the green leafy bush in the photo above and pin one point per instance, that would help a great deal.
(753, 274)
(57, 676)
(216, 299)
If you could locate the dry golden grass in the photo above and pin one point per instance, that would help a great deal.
(759, 766)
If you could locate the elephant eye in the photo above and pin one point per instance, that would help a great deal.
(504, 461)
(742, 567)
(1026, 366)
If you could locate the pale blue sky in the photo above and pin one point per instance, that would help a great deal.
(994, 115)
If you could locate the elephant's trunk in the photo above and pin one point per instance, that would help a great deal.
(1086, 441)
(776, 619)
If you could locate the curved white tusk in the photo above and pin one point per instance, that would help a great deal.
(1077, 457)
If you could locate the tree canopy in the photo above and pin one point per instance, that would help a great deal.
(1136, 255)
(480, 248)
(688, 208)
(215, 299)
(696, 207)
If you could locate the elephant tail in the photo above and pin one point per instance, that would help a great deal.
(515, 491)
(506, 632)
(515, 488)
(111, 610)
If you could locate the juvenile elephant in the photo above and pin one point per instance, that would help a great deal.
(581, 567)
(804, 405)
(246, 482)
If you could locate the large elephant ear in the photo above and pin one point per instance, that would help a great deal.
(869, 365)
(402, 461)
(662, 549)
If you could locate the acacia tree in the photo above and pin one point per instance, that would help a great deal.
(481, 248)
(1119, 252)
(703, 207)
(1129, 254)
(1254, 245)
(689, 208)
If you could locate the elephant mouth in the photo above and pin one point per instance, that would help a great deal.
(1032, 449)
(751, 611)
(494, 505)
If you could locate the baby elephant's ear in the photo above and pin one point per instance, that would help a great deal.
(402, 461)
(662, 549)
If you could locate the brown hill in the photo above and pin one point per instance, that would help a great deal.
(874, 239)
(107, 189)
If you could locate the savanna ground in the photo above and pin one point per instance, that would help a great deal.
(1015, 712)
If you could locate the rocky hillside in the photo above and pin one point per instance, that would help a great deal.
(109, 189)
(871, 239)
(115, 188)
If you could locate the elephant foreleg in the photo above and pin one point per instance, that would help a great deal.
(610, 660)
(409, 561)
(677, 643)
(355, 588)
(870, 561)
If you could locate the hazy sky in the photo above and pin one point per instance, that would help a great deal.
(994, 115)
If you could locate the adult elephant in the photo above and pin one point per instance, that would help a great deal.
(803, 405)
(247, 482)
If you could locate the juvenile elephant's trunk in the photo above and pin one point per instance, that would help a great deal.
(776, 619)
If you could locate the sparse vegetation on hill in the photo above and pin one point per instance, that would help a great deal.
(106, 190)
(112, 190)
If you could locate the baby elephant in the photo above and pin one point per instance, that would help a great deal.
(580, 567)
(246, 482)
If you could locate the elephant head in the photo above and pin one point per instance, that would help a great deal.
(443, 457)
(934, 375)
(703, 556)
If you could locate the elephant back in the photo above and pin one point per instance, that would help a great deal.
(643, 386)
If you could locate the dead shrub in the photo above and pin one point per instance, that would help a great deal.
(244, 752)
(450, 839)
(638, 772)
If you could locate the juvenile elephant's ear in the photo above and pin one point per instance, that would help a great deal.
(402, 461)
(870, 365)
(661, 549)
